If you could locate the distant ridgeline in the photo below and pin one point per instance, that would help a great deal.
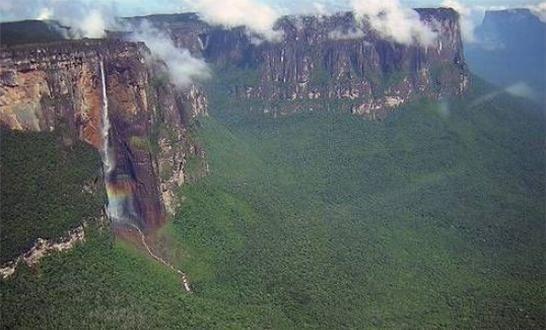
(510, 50)
(31, 31)
(319, 61)
(430, 218)
(71, 82)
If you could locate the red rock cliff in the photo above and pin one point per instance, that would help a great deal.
(58, 86)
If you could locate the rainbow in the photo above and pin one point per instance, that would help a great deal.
(120, 194)
(119, 187)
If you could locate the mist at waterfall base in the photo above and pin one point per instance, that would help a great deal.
(119, 187)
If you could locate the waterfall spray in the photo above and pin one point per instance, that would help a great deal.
(114, 208)
(120, 208)
(106, 152)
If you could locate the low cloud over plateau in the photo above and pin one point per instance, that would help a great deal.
(183, 68)
(256, 16)
(86, 19)
(394, 21)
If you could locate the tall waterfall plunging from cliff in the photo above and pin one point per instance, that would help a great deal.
(114, 208)
(106, 151)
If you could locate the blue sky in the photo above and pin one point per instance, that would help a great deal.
(132, 7)
(24, 9)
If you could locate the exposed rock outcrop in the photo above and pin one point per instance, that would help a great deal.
(319, 61)
(43, 248)
(58, 86)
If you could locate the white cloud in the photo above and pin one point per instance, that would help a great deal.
(313, 8)
(183, 69)
(539, 10)
(86, 20)
(521, 89)
(91, 19)
(93, 25)
(394, 21)
(258, 17)
(467, 23)
(320, 8)
(44, 14)
(352, 33)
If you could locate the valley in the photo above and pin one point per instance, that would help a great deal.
(174, 171)
(321, 219)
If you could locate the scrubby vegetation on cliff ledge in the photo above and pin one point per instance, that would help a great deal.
(432, 218)
(46, 188)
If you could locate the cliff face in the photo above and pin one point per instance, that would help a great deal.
(332, 58)
(58, 86)
(371, 73)
(320, 60)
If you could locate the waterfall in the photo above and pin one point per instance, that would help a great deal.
(106, 151)
(119, 183)
(114, 208)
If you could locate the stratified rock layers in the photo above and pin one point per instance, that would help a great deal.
(319, 61)
(58, 86)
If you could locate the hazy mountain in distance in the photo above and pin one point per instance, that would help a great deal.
(31, 31)
(510, 51)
